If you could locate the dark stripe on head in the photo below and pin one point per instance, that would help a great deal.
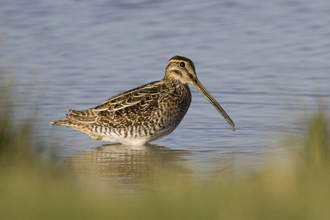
(177, 72)
(177, 57)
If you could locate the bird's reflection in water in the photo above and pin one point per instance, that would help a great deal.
(130, 164)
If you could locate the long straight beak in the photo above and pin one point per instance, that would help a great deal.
(198, 85)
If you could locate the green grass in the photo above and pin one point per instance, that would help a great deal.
(34, 186)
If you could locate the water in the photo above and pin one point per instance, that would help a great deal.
(266, 62)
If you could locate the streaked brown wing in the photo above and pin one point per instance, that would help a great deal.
(121, 109)
(129, 98)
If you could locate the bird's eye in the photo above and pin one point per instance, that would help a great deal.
(182, 64)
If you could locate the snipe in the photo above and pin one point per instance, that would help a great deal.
(146, 113)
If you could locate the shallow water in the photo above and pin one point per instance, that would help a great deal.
(266, 62)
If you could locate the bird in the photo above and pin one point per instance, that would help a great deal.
(146, 113)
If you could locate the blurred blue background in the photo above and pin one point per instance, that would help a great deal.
(266, 62)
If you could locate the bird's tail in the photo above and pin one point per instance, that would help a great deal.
(59, 122)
